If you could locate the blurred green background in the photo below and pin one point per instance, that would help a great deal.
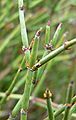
(37, 14)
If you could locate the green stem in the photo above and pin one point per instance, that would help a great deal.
(23, 115)
(54, 53)
(72, 110)
(57, 113)
(60, 110)
(47, 96)
(68, 101)
(40, 83)
(34, 80)
(23, 30)
(47, 33)
(8, 92)
(28, 84)
(27, 53)
(56, 35)
(42, 72)
(73, 99)
(50, 111)
(22, 23)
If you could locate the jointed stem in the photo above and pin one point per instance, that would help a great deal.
(54, 53)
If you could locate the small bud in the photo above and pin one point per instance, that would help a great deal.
(24, 48)
(48, 23)
(49, 47)
(37, 35)
(47, 94)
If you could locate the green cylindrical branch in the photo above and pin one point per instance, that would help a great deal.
(68, 101)
(72, 110)
(23, 31)
(54, 53)
(16, 109)
(47, 33)
(60, 110)
(47, 96)
(74, 99)
(62, 39)
(34, 78)
(56, 35)
(69, 92)
(34, 51)
(22, 23)
(28, 84)
(8, 92)
(44, 69)
(48, 44)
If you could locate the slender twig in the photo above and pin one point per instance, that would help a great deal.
(23, 30)
(42, 72)
(34, 100)
(68, 101)
(28, 85)
(60, 110)
(54, 53)
(60, 48)
(47, 33)
(56, 35)
(24, 40)
(12, 84)
(47, 96)
(25, 44)
(72, 110)
(25, 47)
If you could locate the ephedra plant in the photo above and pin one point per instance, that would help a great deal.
(36, 68)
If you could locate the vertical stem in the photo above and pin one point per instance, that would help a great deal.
(47, 96)
(56, 35)
(22, 23)
(68, 101)
(60, 110)
(23, 115)
(47, 33)
(27, 53)
(23, 30)
(34, 80)
(28, 85)
(41, 73)
(72, 110)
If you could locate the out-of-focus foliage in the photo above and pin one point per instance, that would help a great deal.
(37, 13)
